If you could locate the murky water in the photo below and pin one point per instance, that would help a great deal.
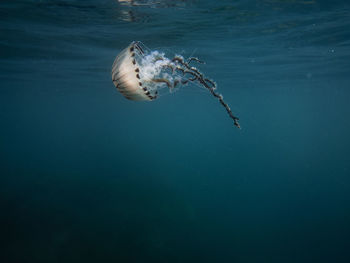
(88, 176)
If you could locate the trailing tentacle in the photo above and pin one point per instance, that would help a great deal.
(207, 83)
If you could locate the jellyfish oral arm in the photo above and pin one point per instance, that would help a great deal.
(167, 82)
(207, 83)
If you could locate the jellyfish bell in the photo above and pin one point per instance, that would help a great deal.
(126, 75)
(139, 74)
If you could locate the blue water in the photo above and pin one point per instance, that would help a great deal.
(88, 176)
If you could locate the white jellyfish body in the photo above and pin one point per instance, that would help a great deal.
(139, 74)
(126, 75)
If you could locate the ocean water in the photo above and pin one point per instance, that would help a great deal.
(88, 176)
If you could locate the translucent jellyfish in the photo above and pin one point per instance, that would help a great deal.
(140, 74)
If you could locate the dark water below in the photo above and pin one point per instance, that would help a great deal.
(88, 176)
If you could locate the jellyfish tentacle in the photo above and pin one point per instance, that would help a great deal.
(192, 74)
(167, 82)
(189, 60)
(184, 72)
(212, 83)
(180, 69)
(158, 59)
(204, 81)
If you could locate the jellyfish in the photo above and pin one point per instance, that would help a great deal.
(139, 74)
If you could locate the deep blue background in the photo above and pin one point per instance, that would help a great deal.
(88, 176)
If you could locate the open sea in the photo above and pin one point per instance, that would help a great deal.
(89, 176)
